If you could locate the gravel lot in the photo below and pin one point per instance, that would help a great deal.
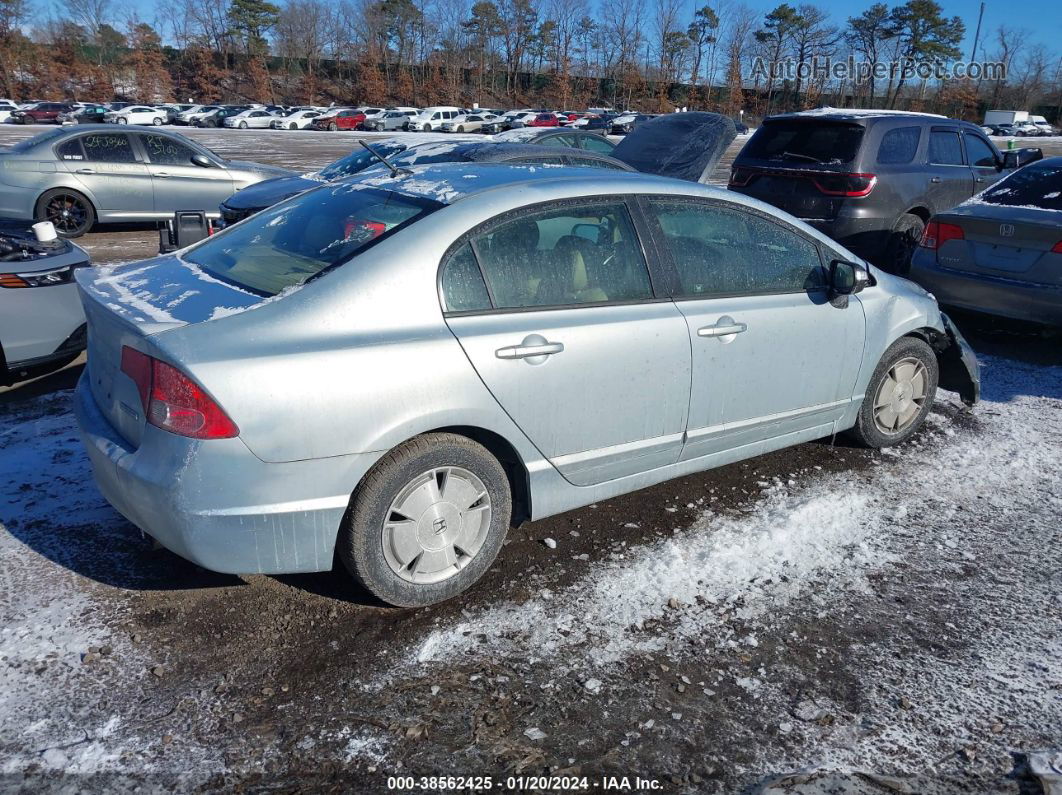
(888, 620)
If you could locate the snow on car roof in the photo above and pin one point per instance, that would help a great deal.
(864, 113)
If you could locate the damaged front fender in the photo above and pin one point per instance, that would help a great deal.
(959, 371)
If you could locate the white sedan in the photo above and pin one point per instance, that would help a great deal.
(296, 120)
(467, 122)
(136, 114)
(257, 118)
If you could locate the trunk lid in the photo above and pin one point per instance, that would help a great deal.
(128, 304)
(1005, 242)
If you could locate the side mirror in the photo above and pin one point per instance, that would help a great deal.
(847, 278)
(1016, 158)
(202, 161)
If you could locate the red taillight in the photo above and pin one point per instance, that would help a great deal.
(938, 233)
(1058, 248)
(174, 402)
(848, 185)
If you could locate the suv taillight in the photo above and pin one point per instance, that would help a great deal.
(938, 233)
(174, 402)
(1057, 248)
(848, 185)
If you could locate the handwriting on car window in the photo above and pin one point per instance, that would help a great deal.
(165, 150)
(103, 141)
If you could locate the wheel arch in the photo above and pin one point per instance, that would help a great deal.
(920, 212)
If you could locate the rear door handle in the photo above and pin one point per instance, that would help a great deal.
(85, 171)
(162, 174)
(979, 179)
(722, 329)
(527, 351)
(935, 180)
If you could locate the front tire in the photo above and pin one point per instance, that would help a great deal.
(427, 521)
(427, 128)
(70, 212)
(899, 395)
(333, 126)
(293, 126)
(157, 121)
(461, 128)
(243, 125)
(122, 120)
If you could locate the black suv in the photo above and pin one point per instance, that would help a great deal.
(870, 179)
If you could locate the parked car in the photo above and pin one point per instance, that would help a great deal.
(467, 122)
(86, 114)
(188, 117)
(869, 180)
(1001, 251)
(255, 428)
(137, 114)
(491, 152)
(549, 136)
(338, 119)
(602, 122)
(394, 119)
(521, 120)
(254, 198)
(255, 118)
(42, 113)
(432, 118)
(503, 122)
(122, 105)
(544, 120)
(42, 326)
(75, 176)
(295, 120)
(216, 118)
(371, 113)
(621, 125)
(6, 109)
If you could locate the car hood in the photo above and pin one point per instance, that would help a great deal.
(680, 145)
(260, 168)
(269, 191)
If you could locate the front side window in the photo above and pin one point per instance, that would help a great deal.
(580, 254)
(944, 148)
(594, 144)
(167, 151)
(296, 240)
(899, 146)
(108, 148)
(720, 251)
(979, 153)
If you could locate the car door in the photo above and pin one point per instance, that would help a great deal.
(177, 182)
(112, 172)
(950, 181)
(986, 165)
(569, 336)
(772, 356)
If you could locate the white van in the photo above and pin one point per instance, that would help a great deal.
(432, 118)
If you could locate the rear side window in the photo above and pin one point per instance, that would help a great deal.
(806, 142)
(70, 150)
(557, 140)
(594, 144)
(979, 153)
(462, 283)
(1032, 186)
(899, 146)
(944, 148)
(296, 240)
(108, 148)
(562, 257)
(719, 252)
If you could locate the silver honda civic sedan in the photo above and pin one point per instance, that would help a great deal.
(76, 176)
(392, 370)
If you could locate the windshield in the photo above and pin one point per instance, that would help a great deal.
(296, 240)
(806, 142)
(1032, 186)
(359, 160)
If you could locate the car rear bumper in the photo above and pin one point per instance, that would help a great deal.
(1008, 298)
(215, 503)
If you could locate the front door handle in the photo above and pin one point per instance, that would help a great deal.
(528, 351)
(935, 180)
(162, 174)
(979, 179)
(724, 328)
(85, 171)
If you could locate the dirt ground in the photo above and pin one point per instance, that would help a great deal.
(888, 621)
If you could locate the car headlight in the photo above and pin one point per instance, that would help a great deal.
(58, 276)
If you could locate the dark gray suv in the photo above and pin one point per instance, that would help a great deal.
(870, 179)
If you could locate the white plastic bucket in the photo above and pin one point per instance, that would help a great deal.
(45, 231)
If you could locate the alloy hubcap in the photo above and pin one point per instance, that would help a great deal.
(436, 525)
(900, 396)
(66, 213)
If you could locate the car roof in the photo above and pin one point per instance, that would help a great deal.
(855, 114)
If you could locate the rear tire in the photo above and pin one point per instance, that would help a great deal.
(293, 126)
(412, 561)
(427, 128)
(461, 128)
(899, 396)
(902, 243)
(70, 212)
(122, 120)
(157, 121)
(333, 126)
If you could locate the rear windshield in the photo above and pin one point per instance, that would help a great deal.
(1032, 186)
(359, 160)
(292, 242)
(806, 142)
(29, 143)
